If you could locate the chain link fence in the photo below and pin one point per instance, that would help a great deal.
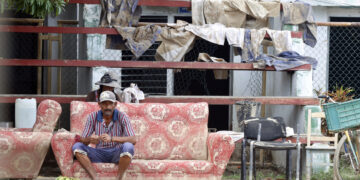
(338, 55)
(344, 58)
(320, 53)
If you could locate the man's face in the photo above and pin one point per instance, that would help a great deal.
(107, 108)
(107, 88)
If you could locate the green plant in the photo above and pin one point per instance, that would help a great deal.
(36, 8)
(338, 94)
(342, 94)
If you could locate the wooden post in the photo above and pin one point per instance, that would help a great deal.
(60, 57)
(309, 128)
(49, 71)
(263, 105)
(263, 83)
(39, 69)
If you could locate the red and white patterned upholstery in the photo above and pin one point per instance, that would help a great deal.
(172, 142)
(22, 150)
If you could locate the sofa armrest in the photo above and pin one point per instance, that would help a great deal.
(47, 115)
(220, 148)
(22, 153)
(61, 144)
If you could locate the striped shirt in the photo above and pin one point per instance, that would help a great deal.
(119, 126)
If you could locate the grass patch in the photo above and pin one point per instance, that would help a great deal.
(273, 173)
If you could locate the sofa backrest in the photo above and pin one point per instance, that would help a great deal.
(164, 131)
(47, 115)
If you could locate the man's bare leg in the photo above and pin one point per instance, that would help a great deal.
(124, 163)
(86, 164)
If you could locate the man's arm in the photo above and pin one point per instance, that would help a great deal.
(87, 136)
(94, 139)
(107, 138)
(130, 139)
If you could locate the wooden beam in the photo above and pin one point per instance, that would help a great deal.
(167, 3)
(318, 115)
(214, 100)
(22, 20)
(322, 138)
(139, 64)
(339, 24)
(10, 98)
(219, 100)
(87, 30)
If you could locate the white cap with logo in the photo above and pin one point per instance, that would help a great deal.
(107, 96)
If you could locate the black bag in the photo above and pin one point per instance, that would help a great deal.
(272, 128)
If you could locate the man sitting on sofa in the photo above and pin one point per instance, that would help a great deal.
(114, 137)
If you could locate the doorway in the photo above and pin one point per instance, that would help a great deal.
(203, 82)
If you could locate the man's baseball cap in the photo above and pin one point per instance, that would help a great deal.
(107, 96)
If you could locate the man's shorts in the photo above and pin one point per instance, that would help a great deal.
(104, 155)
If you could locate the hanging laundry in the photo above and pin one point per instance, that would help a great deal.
(247, 54)
(197, 12)
(214, 13)
(252, 23)
(176, 42)
(239, 13)
(219, 74)
(256, 9)
(281, 40)
(301, 14)
(120, 13)
(252, 43)
(235, 36)
(257, 36)
(139, 39)
(214, 33)
(253, 39)
(283, 61)
(123, 13)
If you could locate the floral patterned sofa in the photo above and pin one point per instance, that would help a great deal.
(23, 150)
(172, 143)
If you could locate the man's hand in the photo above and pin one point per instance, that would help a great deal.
(105, 137)
(94, 139)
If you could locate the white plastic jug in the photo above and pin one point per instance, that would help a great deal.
(25, 113)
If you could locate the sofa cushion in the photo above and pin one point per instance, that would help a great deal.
(22, 153)
(178, 167)
(164, 131)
